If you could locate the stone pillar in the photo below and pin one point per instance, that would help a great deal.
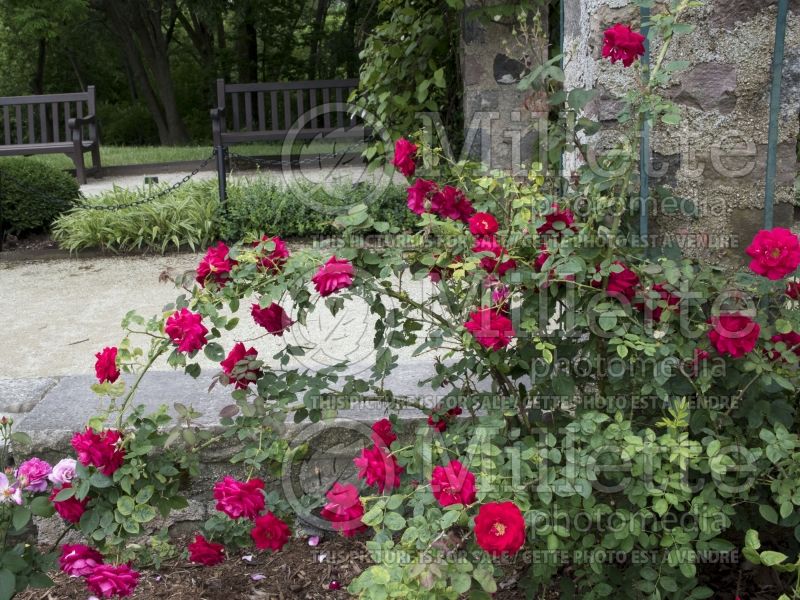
(499, 119)
(717, 156)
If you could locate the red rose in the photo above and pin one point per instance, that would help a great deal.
(419, 194)
(622, 282)
(239, 498)
(270, 533)
(71, 509)
(77, 560)
(793, 290)
(733, 334)
(344, 509)
(791, 340)
(237, 366)
(775, 253)
(440, 422)
(101, 450)
(334, 275)
(216, 264)
(490, 329)
(451, 203)
(557, 221)
(671, 300)
(186, 329)
(382, 433)
(482, 223)
(275, 259)
(494, 265)
(404, 154)
(206, 553)
(500, 528)
(106, 366)
(273, 318)
(378, 469)
(622, 43)
(453, 484)
(108, 581)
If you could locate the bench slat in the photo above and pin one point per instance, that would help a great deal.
(289, 85)
(67, 117)
(23, 100)
(43, 123)
(31, 132)
(300, 110)
(339, 114)
(235, 101)
(273, 104)
(248, 111)
(18, 113)
(262, 125)
(326, 99)
(6, 126)
(287, 110)
(54, 112)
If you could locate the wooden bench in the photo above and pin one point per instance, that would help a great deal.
(52, 124)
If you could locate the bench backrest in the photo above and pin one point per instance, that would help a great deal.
(42, 119)
(267, 111)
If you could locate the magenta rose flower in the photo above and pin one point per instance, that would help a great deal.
(334, 275)
(63, 472)
(344, 509)
(239, 498)
(622, 43)
(791, 340)
(382, 433)
(451, 203)
(216, 265)
(186, 329)
(500, 528)
(106, 365)
(405, 153)
(32, 474)
(240, 376)
(378, 468)
(71, 509)
(102, 450)
(203, 552)
(269, 532)
(734, 334)
(439, 421)
(793, 290)
(622, 282)
(108, 581)
(77, 560)
(490, 329)
(482, 223)
(557, 221)
(453, 484)
(419, 195)
(775, 253)
(273, 262)
(272, 318)
(499, 264)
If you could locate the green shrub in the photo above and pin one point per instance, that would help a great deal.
(186, 217)
(33, 194)
(126, 124)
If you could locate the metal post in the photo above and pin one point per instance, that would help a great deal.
(223, 194)
(774, 113)
(644, 148)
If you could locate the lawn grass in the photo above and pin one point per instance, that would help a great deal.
(113, 156)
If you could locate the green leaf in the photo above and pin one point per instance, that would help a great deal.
(98, 480)
(771, 558)
(461, 582)
(768, 513)
(20, 437)
(20, 517)
(125, 506)
(8, 582)
(394, 521)
(214, 351)
(145, 494)
(486, 579)
(144, 513)
(42, 507)
(751, 539)
(671, 118)
(65, 494)
(579, 98)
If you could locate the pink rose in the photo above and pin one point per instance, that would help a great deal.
(622, 282)
(274, 261)
(273, 318)
(622, 43)
(77, 560)
(108, 581)
(482, 223)
(101, 450)
(106, 366)
(382, 433)
(453, 484)
(404, 154)
(206, 553)
(63, 472)
(496, 264)
(420, 194)
(378, 468)
(334, 275)
(557, 221)
(239, 498)
(216, 264)
(344, 509)
(775, 253)
(269, 532)
(440, 422)
(32, 475)
(490, 329)
(734, 334)
(237, 366)
(186, 329)
(451, 203)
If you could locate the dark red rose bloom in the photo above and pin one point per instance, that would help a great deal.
(334, 275)
(203, 552)
(791, 340)
(500, 528)
(106, 366)
(622, 282)
(494, 264)
(273, 318)
(77, 560)
(274, 259)
(733, 334)
(451, 203)
(71, 509)
(344, 509)
(270, 533)
(378, 468)
(482, 223)
(216, 264)
(622, 43)
(101, 450)
(558, 221)
(239, 498)
(440, 422)
(671, 300)
(382, 433)
(775, 253)
(108, 581)
(490, 329)
(405, 153)
(793, 290)
(420, 194)
(243, 374)
(453, 484)
(186, 329)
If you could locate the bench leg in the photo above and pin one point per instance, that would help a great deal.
(80, 167)
(96, 157)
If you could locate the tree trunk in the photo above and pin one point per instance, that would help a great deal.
(316, 39)
(37, 83)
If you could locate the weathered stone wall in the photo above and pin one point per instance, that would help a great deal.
(716, 157)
